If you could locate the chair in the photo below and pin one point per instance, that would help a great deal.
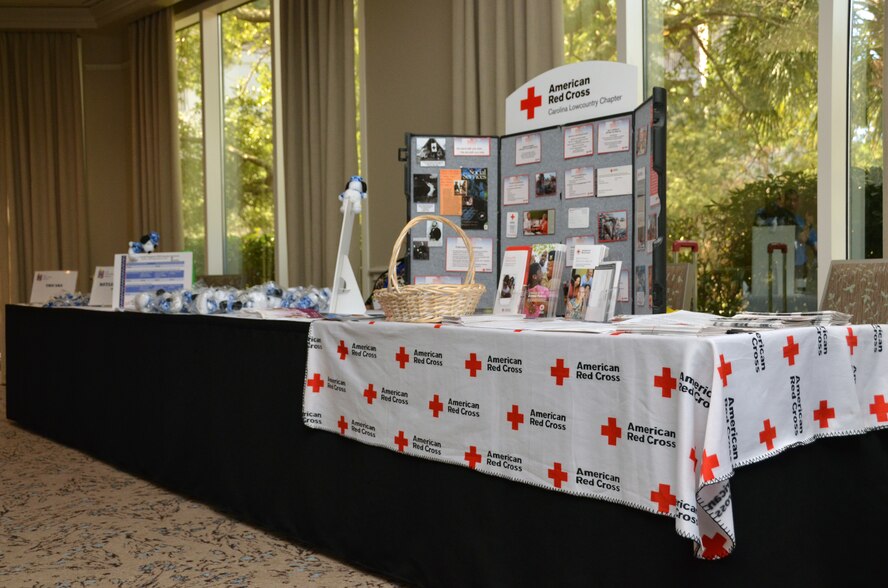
(858, 287)
(680, 287)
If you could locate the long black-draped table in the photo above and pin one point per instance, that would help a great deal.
(211, 407)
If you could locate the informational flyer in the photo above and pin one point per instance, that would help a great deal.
(572, 242)
(516, 190)
(579, 183)
(47, 284)
(457, 257)
(623, 287)
(613, 135)
(511, 225)
(148, 273)
(528, 149)
(102, 291)
(471, 146)
(578, 141)
(578, 218)
(614, 181)
(451, 199)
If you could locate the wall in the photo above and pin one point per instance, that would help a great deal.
(408, 77)
(107, 139)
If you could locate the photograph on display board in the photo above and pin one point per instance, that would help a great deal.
(652, 227)
(431, 151)
(539, 222)
(546, 184)
(420, 249)
(576, 295)
(641, 141)
(433, 232)
(641, 286)
(613, 226)
(452, 188)
(650, 279)
(623, 288)
(639, 222)
(425, 188)
(474, 202)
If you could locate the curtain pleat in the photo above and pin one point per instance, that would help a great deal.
(497, 46)
(42, 180)
(156, 200)
(320, 142)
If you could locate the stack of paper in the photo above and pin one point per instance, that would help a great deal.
(753, 321)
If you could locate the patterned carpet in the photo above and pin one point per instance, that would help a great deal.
(69, 521)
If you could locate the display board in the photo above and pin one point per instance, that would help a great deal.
(594, 181)
(455, 177)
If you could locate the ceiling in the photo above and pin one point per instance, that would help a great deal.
(73, 14)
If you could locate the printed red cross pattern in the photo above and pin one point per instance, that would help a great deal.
(558, 475)
(709, 463)
(435, 406)
(664, 498)
(342, 349)
(370, 394)
(790, 350)
(851, 339)
(824, 413)
(714, 547)
(342, 424)
(665, 382)
(768, 434)
(531, 103)
(401, 441)
(611, 431)
(472, 456)
(515, 417)
(724, 370)
(560, 372)
(879, 408)
(473, 365)
(402, 357)
(316, 383)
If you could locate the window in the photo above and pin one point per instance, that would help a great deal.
(590, 30)
(226, 130)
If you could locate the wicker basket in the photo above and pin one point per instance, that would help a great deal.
(429, 303)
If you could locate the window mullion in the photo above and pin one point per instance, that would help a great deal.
(213, 143)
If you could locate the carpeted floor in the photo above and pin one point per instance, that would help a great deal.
(69, 521)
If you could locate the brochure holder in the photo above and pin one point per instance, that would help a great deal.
(346, 295)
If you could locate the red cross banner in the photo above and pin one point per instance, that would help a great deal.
(657, 423)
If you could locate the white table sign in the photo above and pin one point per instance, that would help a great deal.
(102, 292)
(52, 283)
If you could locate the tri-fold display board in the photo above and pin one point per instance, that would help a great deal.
(599, 180)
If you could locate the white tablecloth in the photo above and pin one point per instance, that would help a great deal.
(658, 423)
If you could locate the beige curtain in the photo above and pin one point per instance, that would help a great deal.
(497, 46)
(156, 203)
(42, 186)
(320, 144)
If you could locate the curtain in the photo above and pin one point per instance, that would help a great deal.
(156, 200)
(497, 46)
(320, 143)
(42, 181)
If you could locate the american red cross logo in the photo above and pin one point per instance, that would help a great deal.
(402, 357)
(724, 370)
(342, 349)
(709, 463)
(560, 372)
(515, 417)
(693, 457)
(342, 424)
(768, 434)
(435, 406)
(714, 547)
(401, 441)
(824, 413)
(472, 456)
(665, 382)
(557, 474)
(611, 431)
(664, 498)
(438, 326)
(316, 383)
(531, 103)
(852, 340)
(473, 365)
(879, 408)
(791, 350)
(370, 394)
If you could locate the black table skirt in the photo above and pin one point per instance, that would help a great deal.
(210, 407)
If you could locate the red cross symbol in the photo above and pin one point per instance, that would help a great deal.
(473, 365)
(665, 382)
(879, 408)
(532, 102)
(472, 456)
(435, 406)
(824, 413)
(710, 462)
(559, 372)
(402, 357)
(664, 498)
(316, 383)
(401, 441)
(557, 474)
(768, 434)
(515, 417)
(693, 457)
(342, 349)
(611, 431)
(724, 370)
(852, 340)
(791, 350)
(714, 547)
(342, 424)
(370, 394)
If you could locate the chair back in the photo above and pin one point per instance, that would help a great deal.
(858, 287)
(681, 286)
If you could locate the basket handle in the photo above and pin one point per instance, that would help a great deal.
(470, 274)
